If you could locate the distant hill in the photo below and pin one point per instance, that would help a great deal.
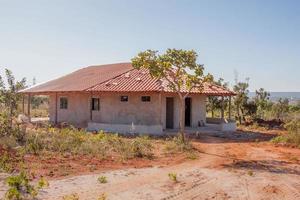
(275, 96)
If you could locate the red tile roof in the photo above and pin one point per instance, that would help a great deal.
(115, 78)
(82, 79)
(131, 81)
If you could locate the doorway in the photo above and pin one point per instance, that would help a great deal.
(169, 112)
(188, 105)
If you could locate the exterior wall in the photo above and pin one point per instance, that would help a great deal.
(123, 115)
(198, 110)
(112, 110)
(77, 112)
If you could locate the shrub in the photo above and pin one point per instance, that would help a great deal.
(33, 144)
(176, 144)
(20, 187)
(5, 163)
(293, 136)
(279, 139)
(8, 142)
(141, 147)
(5, 124)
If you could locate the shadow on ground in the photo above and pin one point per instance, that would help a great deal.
(233, 137)
(273, 166)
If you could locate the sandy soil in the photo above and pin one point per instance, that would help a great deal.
(225, 169)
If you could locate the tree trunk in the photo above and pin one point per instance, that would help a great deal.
(212, 113)
(243, 115)
(238, 114)
(181, 117)
(11, 113)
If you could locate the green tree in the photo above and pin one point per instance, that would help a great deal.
(2, 92)
(9, 95)
(179, 69)
(241, 99)
(262, 101)
(214, 102)
(281, 108)
(250, 108)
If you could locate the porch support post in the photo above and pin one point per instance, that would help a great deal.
(160, 108)
(222, 109)
(91, 106)
(229, 108)
(28, 106)
(55, 119)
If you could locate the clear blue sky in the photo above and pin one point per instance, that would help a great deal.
(259, 39)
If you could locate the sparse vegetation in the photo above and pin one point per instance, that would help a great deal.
(173, 177)
(176, 144)
(293, 136)
(250, 173)
(20, 187)
(102, 179)
(73, 196)
(5, 163)
(103, 196)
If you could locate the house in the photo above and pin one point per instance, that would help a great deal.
(119, 98)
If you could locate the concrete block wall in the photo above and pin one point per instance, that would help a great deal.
(113, 111)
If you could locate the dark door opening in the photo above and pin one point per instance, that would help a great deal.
(188, 111)
(169, 112)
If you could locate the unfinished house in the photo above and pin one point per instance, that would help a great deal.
(119, 98)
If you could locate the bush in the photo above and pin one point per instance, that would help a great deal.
(20, 187)
(176, 145)
(5, 124)
(5, 163)
(141, 147)
(33, 144)
(293, 136)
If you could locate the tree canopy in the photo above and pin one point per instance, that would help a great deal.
(179, 68)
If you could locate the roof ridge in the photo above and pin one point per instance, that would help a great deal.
(118, 63)
(107, 80)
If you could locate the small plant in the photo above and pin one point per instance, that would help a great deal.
(20, 187)
(103, 196)
(33, 144)
(102, 179)
(5, 164)
(250, 173)
(73, 196)
(192, 155)
(42, 183)
(173, 177)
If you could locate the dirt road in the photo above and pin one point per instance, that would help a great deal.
(225, 169)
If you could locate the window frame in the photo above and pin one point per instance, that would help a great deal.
(93, 107)
(63, 105)
(146, 98)
(124, 98)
